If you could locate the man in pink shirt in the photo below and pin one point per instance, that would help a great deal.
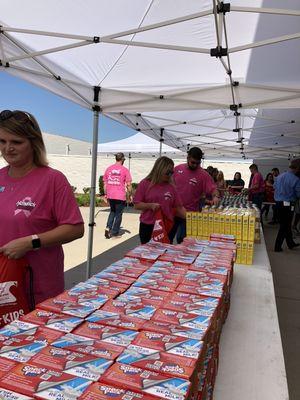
(193, 184)
(256, 186)
(117, 180)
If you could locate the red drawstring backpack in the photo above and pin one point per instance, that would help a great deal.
(16, 294)
(162, 227)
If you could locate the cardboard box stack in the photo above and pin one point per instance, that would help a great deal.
(239, 222)
(147, 327)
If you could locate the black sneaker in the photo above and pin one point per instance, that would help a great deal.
(107, 234)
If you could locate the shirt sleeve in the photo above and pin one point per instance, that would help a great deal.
(139, 196)
(66, 210)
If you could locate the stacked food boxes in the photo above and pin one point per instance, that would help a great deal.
(239, 223)
(147, 327)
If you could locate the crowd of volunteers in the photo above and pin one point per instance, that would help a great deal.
(39, 213)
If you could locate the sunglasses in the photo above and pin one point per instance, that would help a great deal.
(17, 115)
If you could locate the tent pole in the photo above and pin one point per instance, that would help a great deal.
(129, 159)
(92, 191)
(161, 140)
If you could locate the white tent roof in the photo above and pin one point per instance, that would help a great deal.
(137, 144)
(152, 60)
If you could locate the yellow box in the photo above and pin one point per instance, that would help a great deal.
(200, 223)
(250, 251)
(227, 223)
(245, 227)
(188, 223)
(194, 224)
(251, 229)
(238, 251)
(233, 224)
(217, 222)
(222, 222)
(205, 223)
(210, 222)
(244, 252)
(239, 226)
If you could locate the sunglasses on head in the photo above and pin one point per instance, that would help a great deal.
(18, 115)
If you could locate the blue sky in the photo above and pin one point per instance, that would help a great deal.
(54, 114)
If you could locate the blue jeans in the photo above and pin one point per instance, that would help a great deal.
(115, 216)
(178, 230)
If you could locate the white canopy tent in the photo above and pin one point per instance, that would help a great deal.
(184, 71)
(138, 145)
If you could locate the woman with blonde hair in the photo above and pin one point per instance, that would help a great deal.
(221, 183)
(38, 210)
(154, 192)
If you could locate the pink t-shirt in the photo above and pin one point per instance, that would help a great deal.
(115, 178)
(192, 185)
(164, 194)
(36, 203)
(257, 180)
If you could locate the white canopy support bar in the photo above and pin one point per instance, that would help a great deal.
(275, 88)
(46, 68)
(265, 10)
(49, 51)
(46, 33)
(261, 102)
(261, 43)
(159, 24)
(155, 45)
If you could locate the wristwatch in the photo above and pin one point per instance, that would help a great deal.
(36, 242)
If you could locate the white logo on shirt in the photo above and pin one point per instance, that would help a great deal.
(26, 206)
(168, 196)
(2, 188)
(193, 181)
(179, 171)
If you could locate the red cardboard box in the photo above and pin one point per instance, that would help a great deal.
(177, 330)
(44, 383)
(110, 334)
(62, 306)
(114, 319)
(180, 318)
(101, 391)
(6, 366)
(135, 308)
(159, 385)
(177, 345)
(86, 345)
(60, 322)
(71, 362)
(159, 361)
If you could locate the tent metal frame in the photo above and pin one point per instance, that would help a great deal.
(158, 132)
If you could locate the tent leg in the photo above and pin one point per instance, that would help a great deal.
(92, 194)
(161, 140)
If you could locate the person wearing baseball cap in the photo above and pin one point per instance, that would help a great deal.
(117, 181)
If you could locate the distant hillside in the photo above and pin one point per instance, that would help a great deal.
(67, 146)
